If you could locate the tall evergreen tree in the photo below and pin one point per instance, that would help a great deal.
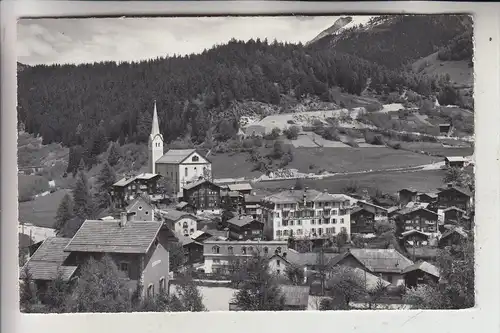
(114, 154)
(64, 212)
(82, 197)
(105, 180)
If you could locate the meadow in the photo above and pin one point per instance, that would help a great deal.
(42, 211)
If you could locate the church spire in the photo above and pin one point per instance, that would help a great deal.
(155, 128)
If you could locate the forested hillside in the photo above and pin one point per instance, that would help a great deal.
(401, 40)
(87, 106)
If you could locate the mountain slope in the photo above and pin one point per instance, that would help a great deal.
(335, 28)
(395, 41)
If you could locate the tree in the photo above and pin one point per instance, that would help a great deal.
(292, 133)
(57, 295)
(188, 296)
(299, 184)
(344, 286)
(295, 274)
(177, 256)
(114, 154)
(64, 212)
(82, 198)
(456, 287)
(27, 292)
(100, 288)
(259, 290)
(453, 175)
(341, 238)
(165, 186)
(105, 180)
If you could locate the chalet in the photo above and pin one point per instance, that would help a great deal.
(296, 298)
(234, 198)
(243, 188)
(380, 212)
(420, 273)
(252, 204)
(130, 187)
(444, 129)
(218, 255)
(141, 209)
(452, 236)
(428, 197)
(193, 249)
(419, 218)
(386, 263)
(452, 215)
(427, 253)
(47, 263)
(244, 227)
(455, 161)
(203, 195)
(406, 196)
(415, 237)
(371, 281)
(182, 223)
(139, 250)
(453, 196)
(362, 221)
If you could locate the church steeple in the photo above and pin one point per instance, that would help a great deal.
(155, 129)
(155, 144)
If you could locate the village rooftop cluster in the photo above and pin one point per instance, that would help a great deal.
(218, 221)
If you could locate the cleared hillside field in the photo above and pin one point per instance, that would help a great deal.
(42, 211)
(460, 72)
(387, 182)
(335, 160)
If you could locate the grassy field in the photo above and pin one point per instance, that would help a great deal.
(41, 212)
(459, 71)
(387, 182)
(324, 159)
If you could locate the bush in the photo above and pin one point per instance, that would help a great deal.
(352, 143)
(291, 133)
(330, 133)
(394, 145)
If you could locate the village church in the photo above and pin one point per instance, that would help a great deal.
(182, 166)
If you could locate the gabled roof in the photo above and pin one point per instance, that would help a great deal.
(453, 230)
(454, 208)
(372, 281)
(456, 158)
(429, 194)
(139, 201)
(46, 263)
(111, 237)
(408, 190)
(414, 232)
(455, 188)
(199, 233)
(295, 196)
(177, 156)
(382, 260)
(423, 266)
(181, 205)
(364, 202)
(308, 258)
(175, 215)
(408, 210)
(240, 187)
(199, 182)
(129, 179)
(359, 209)
(242, 220)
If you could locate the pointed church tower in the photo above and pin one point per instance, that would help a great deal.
(155, 143)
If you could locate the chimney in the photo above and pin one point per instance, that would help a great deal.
(123, 219)
(227, 232)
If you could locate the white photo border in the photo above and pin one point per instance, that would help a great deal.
(487, 151)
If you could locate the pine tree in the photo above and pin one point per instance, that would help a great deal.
(114, 154)
(64, 212)
(105, 180)
(82, 198)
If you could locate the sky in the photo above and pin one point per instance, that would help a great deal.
(88, 40)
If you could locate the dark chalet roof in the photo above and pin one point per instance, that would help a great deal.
(46, 262)
(457, 189)
(242, 220)
(198, 183)
(111, 237)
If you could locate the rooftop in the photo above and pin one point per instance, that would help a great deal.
(112, 237)
(128, 179)
(381, 260)
(456, 188)
(242, 220)
(198, 182)
(240, 187)
(423, 266)
(295, 295)
(456, 158)
(295, 196)
(174, 214)
(46, 262)
(175, 156)
(411, 209)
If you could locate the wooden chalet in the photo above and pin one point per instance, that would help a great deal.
(203, 195)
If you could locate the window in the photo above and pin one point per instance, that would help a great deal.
(299, 232)
(191, 231)
(215, 249)
(313, 231)
(320, 231)
(151, 290)
(185, 225)
(195, 159)
(313, 221)
(299, 222)
(343, 229)
(124, 267)
(244, 250)
(278, 233)
(185, 172)
(250, 249)
(147, 213)
(163, 285)
(195, 171)
(291, 222)
(140, 207)
(278, 249)
(278, 263)
(266, 250)
(230, 250)
(285, 232)
(278, 271)
(216, 261)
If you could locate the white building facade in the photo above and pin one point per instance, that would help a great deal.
(182, 166)
(306, 214)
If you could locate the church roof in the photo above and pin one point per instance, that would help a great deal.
(155, 128)
(175, 156)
